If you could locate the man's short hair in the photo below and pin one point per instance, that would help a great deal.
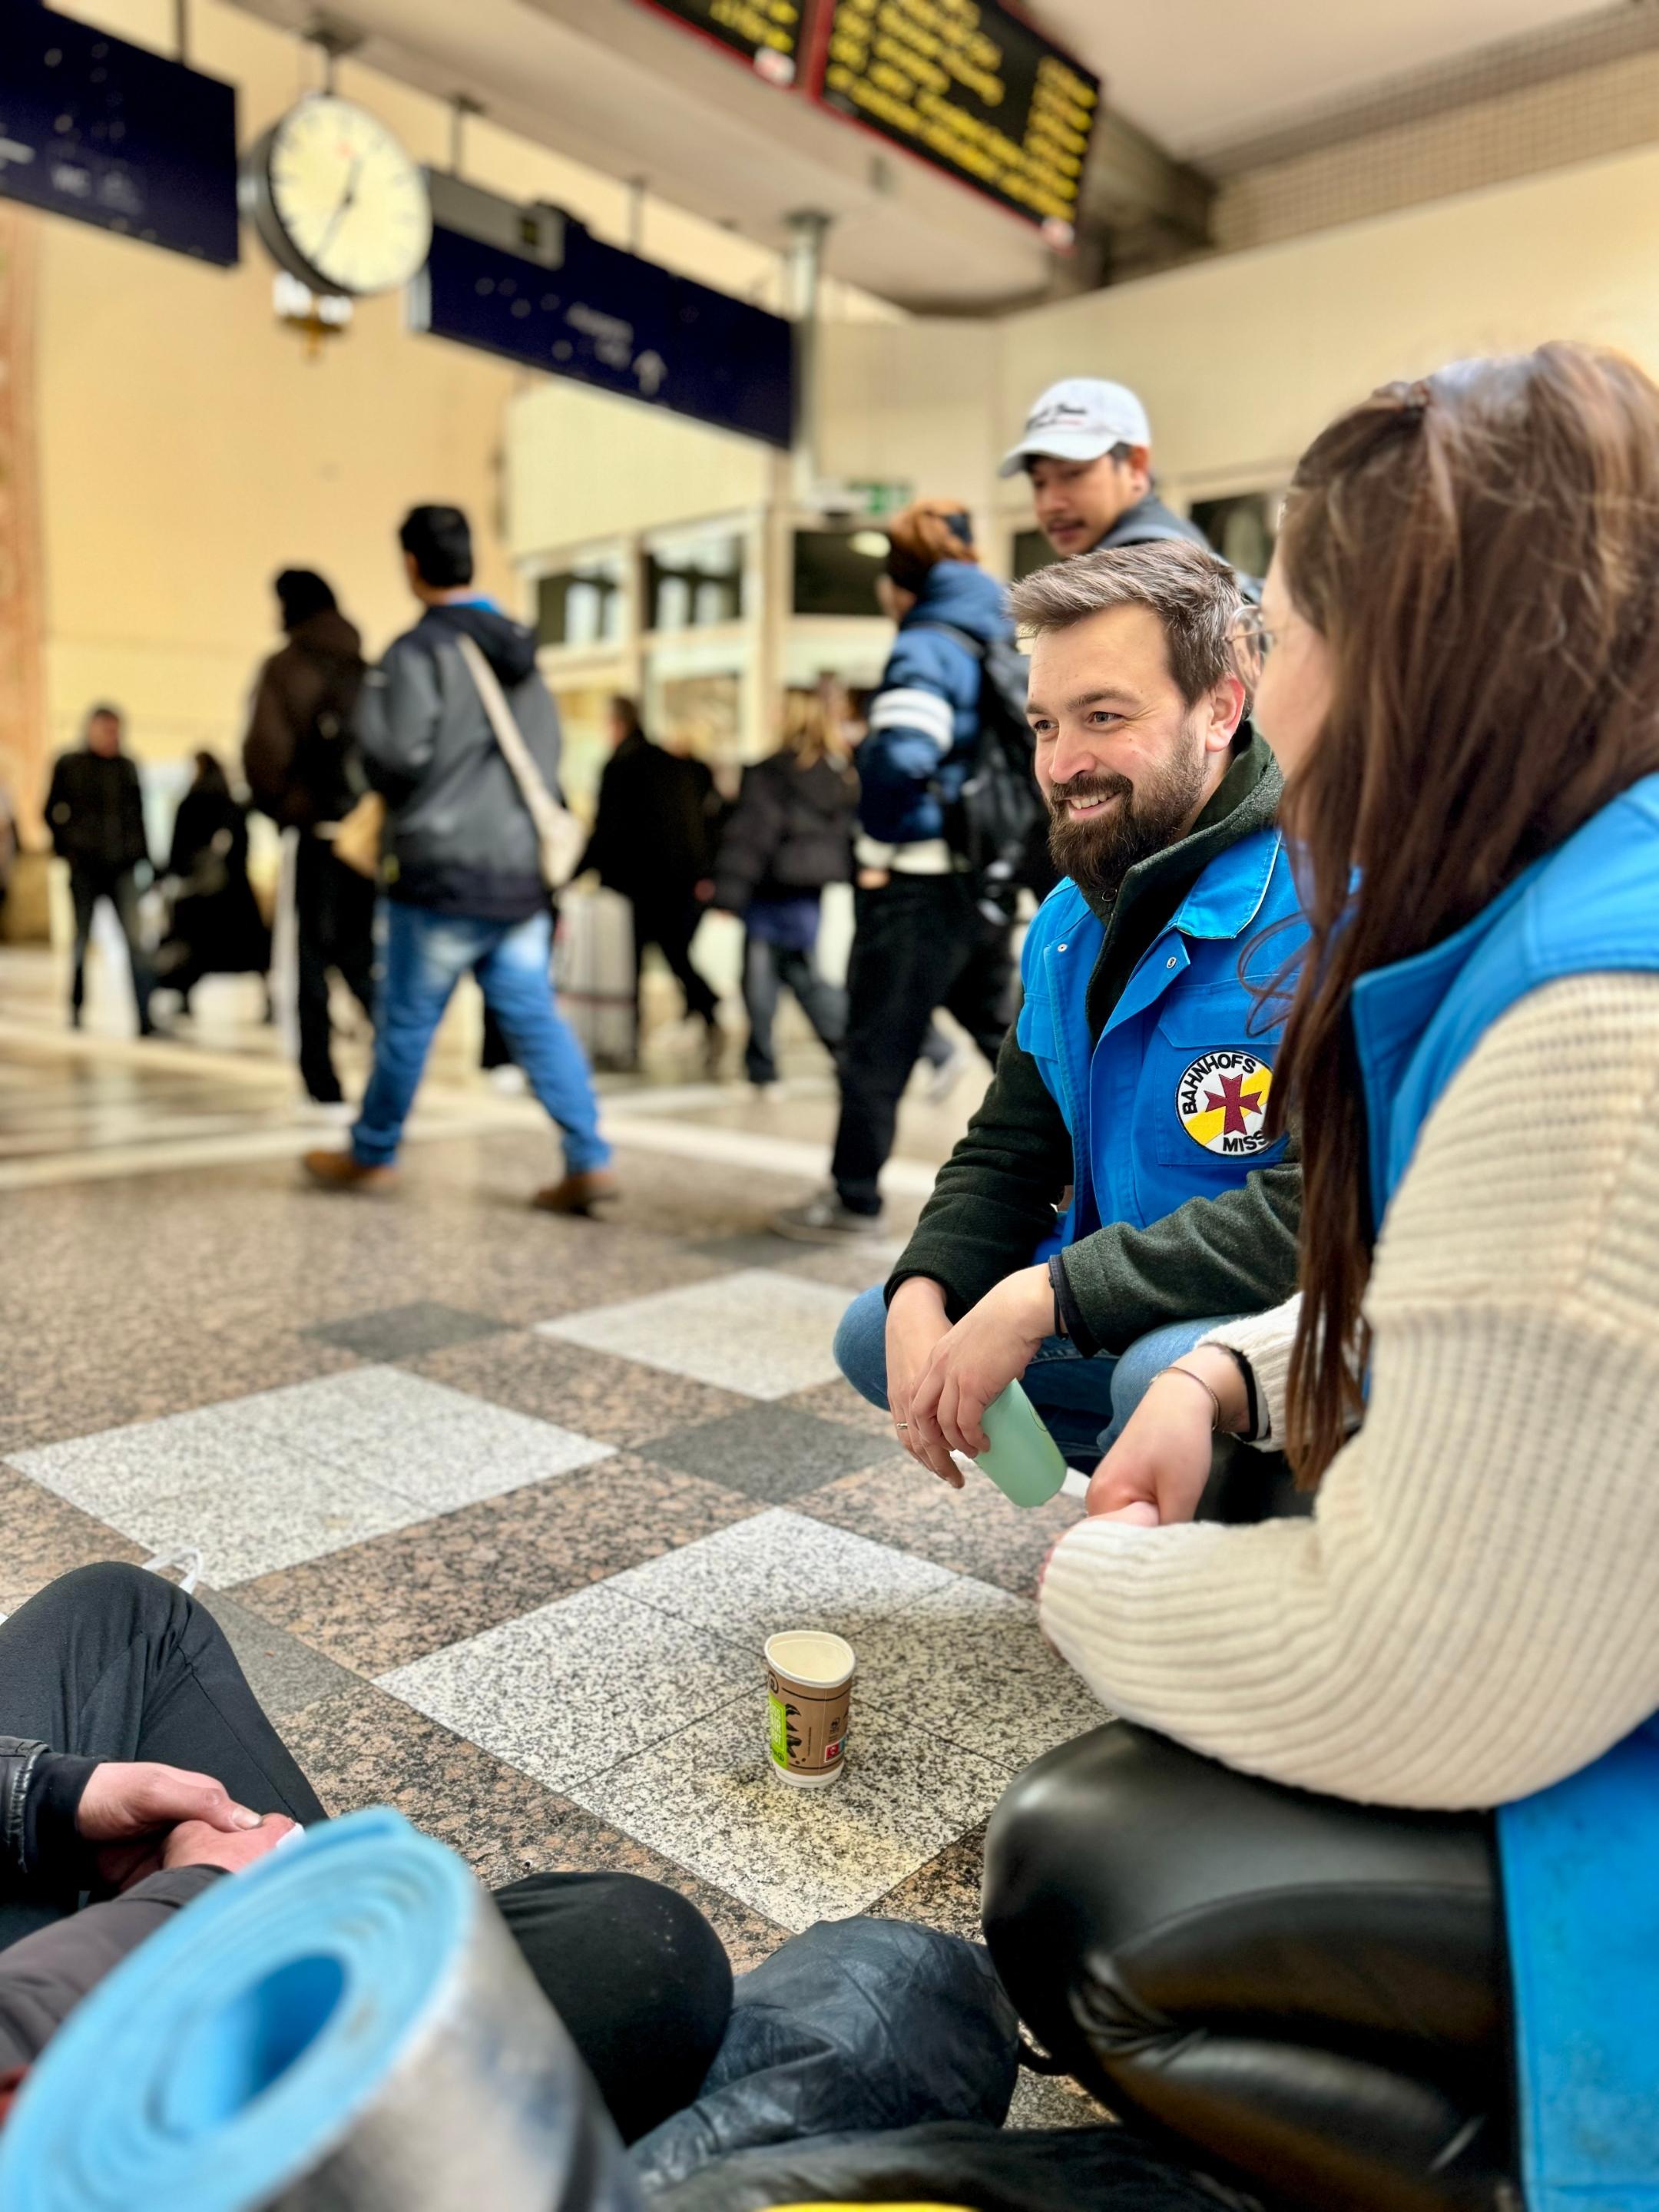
(1192, 591)
(104, 712)
(440, 540)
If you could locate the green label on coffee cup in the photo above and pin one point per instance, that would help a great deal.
(780, 1730)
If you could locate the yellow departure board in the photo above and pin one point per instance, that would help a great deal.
(764, 32)
(971, 88)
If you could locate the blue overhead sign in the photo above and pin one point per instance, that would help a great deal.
(608, 318)
(114, 135)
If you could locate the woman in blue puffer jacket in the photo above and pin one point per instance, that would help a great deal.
(920, 940)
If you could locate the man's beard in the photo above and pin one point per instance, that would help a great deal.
(1099, 851)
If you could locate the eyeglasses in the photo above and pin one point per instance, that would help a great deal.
(1252, 639)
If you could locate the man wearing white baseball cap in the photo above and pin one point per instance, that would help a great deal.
(1087, 449)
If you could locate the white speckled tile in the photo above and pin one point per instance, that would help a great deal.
(577, 1685)
(757, 1331)
(289, 1474)
(104, 1473)
(271, 1513)
(783, 1570)
(969, 1661)
(704, 1796)
(439, 1446)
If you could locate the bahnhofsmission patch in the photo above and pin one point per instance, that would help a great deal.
(1222, 1100)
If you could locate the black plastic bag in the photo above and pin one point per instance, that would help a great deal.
(858, 2025)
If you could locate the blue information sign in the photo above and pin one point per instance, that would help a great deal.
(608, 318)
(114, 135)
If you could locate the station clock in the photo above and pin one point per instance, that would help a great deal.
(336, 199)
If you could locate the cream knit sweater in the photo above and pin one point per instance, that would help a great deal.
(1472, 1612)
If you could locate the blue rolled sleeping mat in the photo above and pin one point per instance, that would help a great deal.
(347, 2026)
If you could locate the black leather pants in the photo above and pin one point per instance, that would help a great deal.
(1307, 1995)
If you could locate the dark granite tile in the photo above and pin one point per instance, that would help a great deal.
(405, 1332)
(43, 1536)
(363, 1748)
(620, 1401)
(282, 1673)
(943, 1894)
(769, 1452)
(975, 1530)
(383, 1603)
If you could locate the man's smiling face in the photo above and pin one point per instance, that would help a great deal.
(1126, 763)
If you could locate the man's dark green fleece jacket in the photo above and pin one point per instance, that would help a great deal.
(1229, 1248)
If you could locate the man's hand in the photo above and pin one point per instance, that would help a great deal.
(916, 1320)
(975, 1364)
(198, 1843)
(130, 1807)
(1156, 1470)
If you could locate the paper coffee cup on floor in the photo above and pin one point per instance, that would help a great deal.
(809, 1686)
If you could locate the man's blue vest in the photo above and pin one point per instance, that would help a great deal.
(1168, 1104)
(1580, 1860)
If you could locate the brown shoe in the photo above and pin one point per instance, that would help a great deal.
(579, 1194)
(345, 1171)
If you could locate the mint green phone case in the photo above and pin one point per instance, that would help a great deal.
(1024, 1461)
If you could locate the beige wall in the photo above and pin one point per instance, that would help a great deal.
(188, 448)
(1242, 358)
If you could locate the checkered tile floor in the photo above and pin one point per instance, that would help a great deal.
(499, 1510)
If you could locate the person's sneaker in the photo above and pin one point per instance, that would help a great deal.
(579, 1194)
(825, 1220)
(512, 1082)
(943, 1079)
(345, 1171)
(335, 1113)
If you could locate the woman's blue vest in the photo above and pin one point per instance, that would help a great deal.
(1168, 1103)
(1580, 1860)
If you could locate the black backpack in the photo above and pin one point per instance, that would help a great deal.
(999, 821)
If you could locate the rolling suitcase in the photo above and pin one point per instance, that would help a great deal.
(594, 975)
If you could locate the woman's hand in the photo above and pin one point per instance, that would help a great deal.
(916, 1320)
(975, 1364)
(1156, 1470)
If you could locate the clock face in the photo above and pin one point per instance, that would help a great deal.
(349, 204)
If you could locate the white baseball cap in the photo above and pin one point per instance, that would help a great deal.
(1080, 420)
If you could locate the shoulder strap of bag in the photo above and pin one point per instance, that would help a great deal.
(554, 823)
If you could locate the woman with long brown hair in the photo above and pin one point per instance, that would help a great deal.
(1426, 1971)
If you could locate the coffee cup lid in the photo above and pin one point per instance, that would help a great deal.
(811, 1657)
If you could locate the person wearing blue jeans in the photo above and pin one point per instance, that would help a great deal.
(1122, 1186)
(462, 866)
(426, 956)
(1084, 1403)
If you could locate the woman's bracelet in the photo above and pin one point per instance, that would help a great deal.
(1215, 1418)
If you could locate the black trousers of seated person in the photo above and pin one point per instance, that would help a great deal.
(110, 1662)
(1308, 1995)
(919, 943)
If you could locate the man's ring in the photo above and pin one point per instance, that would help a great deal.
(901, 1424)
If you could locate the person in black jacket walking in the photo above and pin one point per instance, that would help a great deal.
(790, 835)
(302, 768)
(654, 834)
(216, 927)
(95, 813)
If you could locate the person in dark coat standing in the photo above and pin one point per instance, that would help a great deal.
(95, 813)
(300, 764)
(653, 841)
(790, 835)
(216, 927)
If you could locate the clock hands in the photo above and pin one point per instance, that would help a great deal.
(348, 200)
